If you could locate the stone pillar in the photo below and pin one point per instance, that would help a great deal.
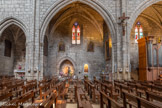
(38, 73)
(123, 69)
(118, 61)
(126, 63)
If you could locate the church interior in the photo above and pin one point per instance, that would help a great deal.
(80, 56)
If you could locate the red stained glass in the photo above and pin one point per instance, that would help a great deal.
(73, 37)
(73, 29)
(76, 35)
(78, 29)
(136, 36)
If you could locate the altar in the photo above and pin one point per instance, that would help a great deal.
(19, 74)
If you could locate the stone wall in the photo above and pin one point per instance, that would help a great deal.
(78, 53)
(31, 14)
(17, 58)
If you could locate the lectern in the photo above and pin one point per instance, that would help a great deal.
(150, 58)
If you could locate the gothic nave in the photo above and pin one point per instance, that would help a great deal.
(80, 54)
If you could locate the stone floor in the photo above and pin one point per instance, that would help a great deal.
(75, 105)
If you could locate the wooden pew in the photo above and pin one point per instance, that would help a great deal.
(110, 103)
(155, 98)
(109, 90)
(49, 98)
(29, 86)
(110, 83)
(6, 96)
(90, 88)
(157, 89)
(140, 90)
(135, 101)
(43, 88)
(121, 87)
(82, 101)
(97, 84)
(31, 81)
(20, 101)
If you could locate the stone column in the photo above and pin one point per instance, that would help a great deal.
(38, 73)
(118, 61)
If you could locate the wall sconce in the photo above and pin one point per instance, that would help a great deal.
(120, 69)
(127, 70)
(35, 70)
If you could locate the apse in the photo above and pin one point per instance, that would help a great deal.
(12, 51)
(78, 32)
(147, 24)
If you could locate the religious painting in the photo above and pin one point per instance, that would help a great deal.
(86, 68)
(108, 49)
(61, 46)
(66, 68)
(8, 47)
(90, 47)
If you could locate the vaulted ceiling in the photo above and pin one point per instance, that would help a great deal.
(13, 33)
(153, 13)
(76, 10)
(151, 21)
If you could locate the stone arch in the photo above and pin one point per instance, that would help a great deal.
(97, 6)
(139, 9)
(9, 21)
(137, 12)
(62, 60)
(15, 31)
(60, 4)
(94, 22)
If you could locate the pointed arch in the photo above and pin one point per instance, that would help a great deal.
(58, 5)
(137, 12)
(10, 21)
(62, 60)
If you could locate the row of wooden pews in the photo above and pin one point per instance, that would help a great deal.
(128, 94)
(16, 93)
(81, 98)
(92, 91)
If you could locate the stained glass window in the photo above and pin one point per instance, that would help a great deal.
(75, 34)
(138, 32)
(141, 32)
(78, 34)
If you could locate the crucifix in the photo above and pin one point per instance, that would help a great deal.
(123, 23)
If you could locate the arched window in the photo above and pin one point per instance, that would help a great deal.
(138, 32)
(76, 33)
